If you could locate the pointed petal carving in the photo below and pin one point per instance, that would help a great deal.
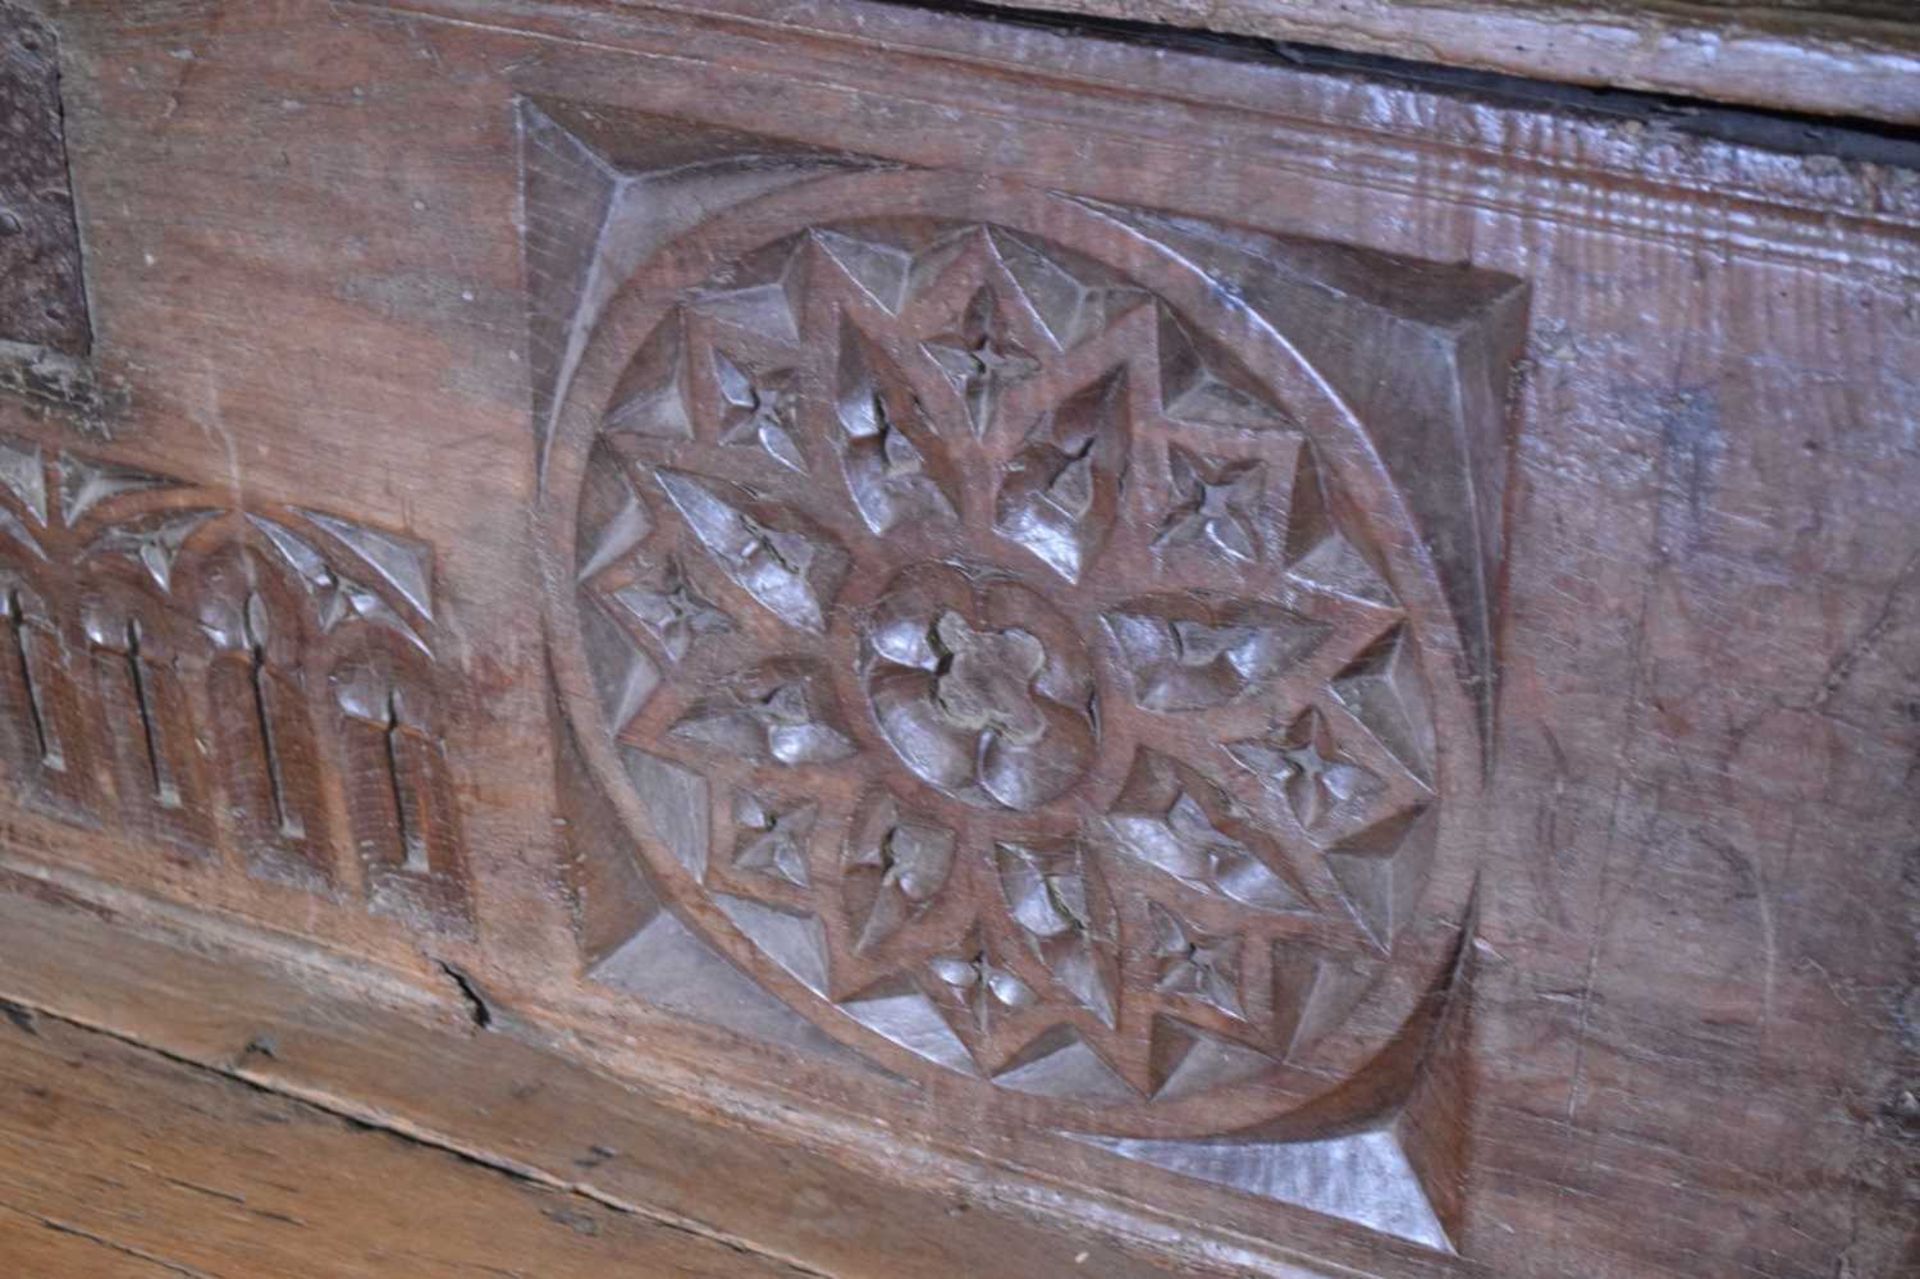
(24, 473)
(897, 863)
(1171, 820)
(1181, 657)
(1056, 897)
(895, 469)
(401, 562)
(1061, 493)
(85, 484)
(773, 839)
(791, 568)
(778, 713)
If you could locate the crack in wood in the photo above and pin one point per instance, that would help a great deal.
(113, 1245)
(479, 1011)
(399, 1130)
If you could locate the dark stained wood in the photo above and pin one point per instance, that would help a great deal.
(987, 644)
(42, 302)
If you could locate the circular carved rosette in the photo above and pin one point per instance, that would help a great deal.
(1004, 648)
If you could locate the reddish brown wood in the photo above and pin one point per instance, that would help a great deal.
(410, 1061)
(1236, 668)
(952, 501)
(238, 1181)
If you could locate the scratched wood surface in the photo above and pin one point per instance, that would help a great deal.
(1586, 450)
(116, 1161)
(391, 1059)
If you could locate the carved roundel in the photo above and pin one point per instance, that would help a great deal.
(1003, 648)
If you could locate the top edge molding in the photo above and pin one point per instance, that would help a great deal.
(1631, 177)
(1858, 58)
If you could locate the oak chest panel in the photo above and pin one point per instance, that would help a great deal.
(995, 645)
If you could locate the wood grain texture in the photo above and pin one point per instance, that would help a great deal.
(411, 1059)
(37, 1246)
(1857, 59)
(116, 1161)
(334, 271)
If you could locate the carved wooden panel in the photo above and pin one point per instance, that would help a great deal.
(251, 690)
(996, 640)
(934, 647)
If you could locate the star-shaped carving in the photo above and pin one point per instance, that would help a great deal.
(1215, 504)
(1307, 767)
(773, 841)
(1196, 964)
(1051, 532)
(981, 359)
(978, 988)
(759, 410)
(672, 610)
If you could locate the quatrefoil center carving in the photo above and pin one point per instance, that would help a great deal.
(985, 681)
(979, 708)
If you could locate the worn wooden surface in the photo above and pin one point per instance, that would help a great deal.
(117, 1161)
(414, 1060)
(1589, 444)
(41, 298)
(1859, 58)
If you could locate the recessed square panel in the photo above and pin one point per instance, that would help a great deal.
(1001, 644)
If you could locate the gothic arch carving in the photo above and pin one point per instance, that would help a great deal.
(250, 689)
